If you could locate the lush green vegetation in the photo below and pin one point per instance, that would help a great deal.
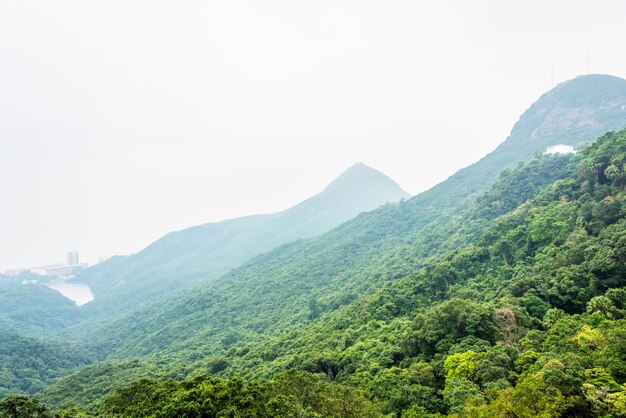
(20, 406)
(524, 318)
(537, 302)
(315, 276)
(471, 299)
(34, 309)
(290, 394)
(576, 111)
(28, 364)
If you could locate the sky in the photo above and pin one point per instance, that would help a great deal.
(123, 120)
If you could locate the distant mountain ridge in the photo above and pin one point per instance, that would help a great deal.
(239, 323)
(182, 259)
(382, 245)
(574, 111)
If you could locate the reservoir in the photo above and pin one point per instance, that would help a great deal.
(79, 293)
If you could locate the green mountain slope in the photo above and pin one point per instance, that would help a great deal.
(28, 364)
(388, 243)
(219, 345)
(287, 289)
(187, 258)
(573, 112)
(292, 285)
(34, 323)
(35, 310)
(525, 318)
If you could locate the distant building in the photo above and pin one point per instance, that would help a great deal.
(72, 258)
(54, 270)
(58, 271)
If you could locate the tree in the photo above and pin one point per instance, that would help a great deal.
(603, 306)
(19, 406)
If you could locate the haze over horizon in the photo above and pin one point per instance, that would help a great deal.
(122, 121)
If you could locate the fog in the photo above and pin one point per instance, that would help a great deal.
(123, 120)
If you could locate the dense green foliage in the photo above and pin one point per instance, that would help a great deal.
(467, 300)
(576, 111)
(540, 293)
(34, 309)
(19, 406)
(315, 277)
(28, 364)
(523, 318)
(87, 388)
(291, 394)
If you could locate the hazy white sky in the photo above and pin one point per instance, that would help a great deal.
(122, 120)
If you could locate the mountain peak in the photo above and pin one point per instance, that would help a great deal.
(360, 178)
(358, 165)
(585, 90)
(595, 80)
(357, 171)
(360, 188)
(576, 110)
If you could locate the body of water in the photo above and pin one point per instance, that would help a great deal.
(79, 293)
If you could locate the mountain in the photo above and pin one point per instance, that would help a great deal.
(521, 313)
(198, 254)
(34, 322)
(299, 284)
(477, 290)
(527, 318)
(572, 113)
(343, 260)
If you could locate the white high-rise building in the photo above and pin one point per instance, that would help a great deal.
(72, 258)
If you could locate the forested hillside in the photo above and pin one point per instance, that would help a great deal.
(524, 318)
(396, 237)
(27, 365)
(499, 292)
(220, 328)
(35, 310)
(300, 281)
(576, 111)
